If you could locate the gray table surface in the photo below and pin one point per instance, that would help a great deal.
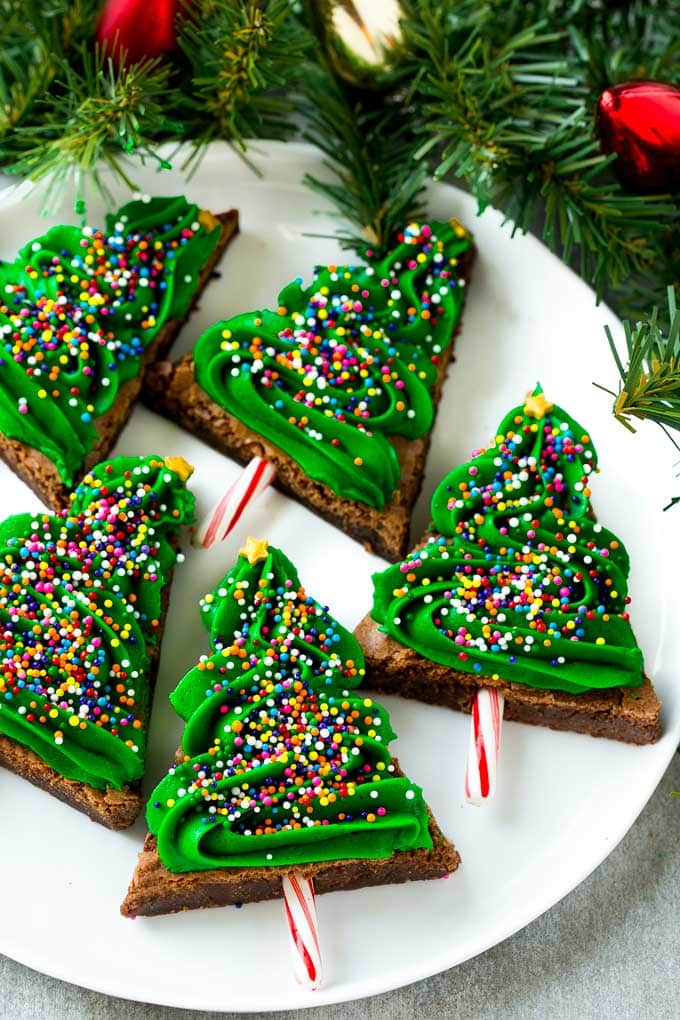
(609, 949)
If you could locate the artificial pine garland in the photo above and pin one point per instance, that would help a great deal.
(499, 94)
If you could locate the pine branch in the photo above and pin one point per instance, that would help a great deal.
(480, 98)
(25, 74)
(614, 235)
(100, 115)
(245, 58)
(370, 151)
(649, 386)
(508, 106)
(489, 92)
(27, 69)
(35, 40)
(66, 107)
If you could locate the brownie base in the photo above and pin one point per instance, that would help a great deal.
(156, 890)
(38, 471)
(171, 389)
(629, 714)
(115, 809)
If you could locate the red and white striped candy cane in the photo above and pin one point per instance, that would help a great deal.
(300, 906)
(484, 746)
(222, 519)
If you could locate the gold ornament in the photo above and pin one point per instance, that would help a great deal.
(180, 466)
(255, 549)
(362, 38)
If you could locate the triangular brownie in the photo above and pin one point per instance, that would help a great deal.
(83, 595)
(519, 588)
(284, 764)
(83, 313)
(338, 387)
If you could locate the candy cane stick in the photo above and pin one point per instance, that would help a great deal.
(484, 746)
(300, 906)
(217, 524)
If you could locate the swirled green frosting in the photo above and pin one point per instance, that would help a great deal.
(80, 602)
(79, 306)
(519, 582)
(346, 362)
(284, 761)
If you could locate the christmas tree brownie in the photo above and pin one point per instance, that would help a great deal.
(83, 313)
(519, 588)
(284, 764)
(338, 387)
(83, 595)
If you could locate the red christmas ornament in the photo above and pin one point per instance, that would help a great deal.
(640, 122)
(141, 28)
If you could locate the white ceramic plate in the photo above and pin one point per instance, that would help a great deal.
(564, 801)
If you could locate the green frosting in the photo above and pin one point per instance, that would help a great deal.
(78, 308)
(346, 362)
(80, 603)
(284, 762)
(519, 582)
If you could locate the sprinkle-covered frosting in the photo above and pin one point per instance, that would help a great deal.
(78, 308)
(346, 362)
(284, 762)
(80, 604)
(519, 582)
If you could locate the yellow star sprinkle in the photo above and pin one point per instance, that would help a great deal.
(207, 220)
(255, 549)
(458, 228)
(180, 466)
(536, 406)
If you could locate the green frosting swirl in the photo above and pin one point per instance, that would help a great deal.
(284, 762)
(520, 582)
(78, 308)
(80, 603)
(346, 362)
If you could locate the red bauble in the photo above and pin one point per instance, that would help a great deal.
(141, 28)
(640, 122)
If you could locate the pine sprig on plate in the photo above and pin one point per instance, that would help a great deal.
(649, 371)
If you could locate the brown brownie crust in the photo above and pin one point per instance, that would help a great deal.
(115, 809)
(171, 389)
(37, 471)
(628, 714)
(156, 890)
